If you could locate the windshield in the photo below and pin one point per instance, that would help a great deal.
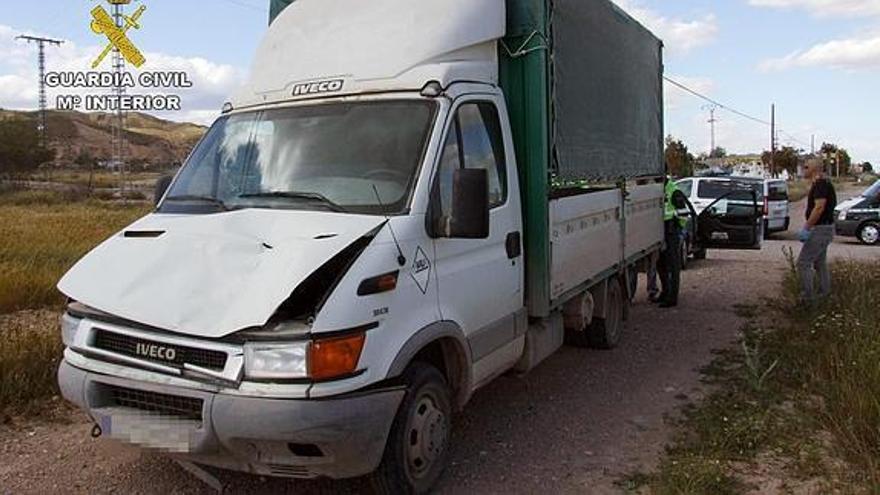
(873, 191)
(350, 157)
(739, 190)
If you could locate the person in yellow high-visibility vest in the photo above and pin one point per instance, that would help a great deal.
(669, 265)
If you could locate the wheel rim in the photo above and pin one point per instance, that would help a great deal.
(426, 436)
(870, 234)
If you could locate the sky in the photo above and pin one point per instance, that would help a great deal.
(817, 60)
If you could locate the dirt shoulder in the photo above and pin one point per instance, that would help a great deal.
(577, 424)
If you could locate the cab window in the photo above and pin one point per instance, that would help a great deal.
(474, 140)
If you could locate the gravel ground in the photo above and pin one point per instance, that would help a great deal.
(575, 425)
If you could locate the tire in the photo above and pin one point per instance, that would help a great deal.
(700, 254)
(417, 449)
(869, 234)
(604, 333)
(685, 254)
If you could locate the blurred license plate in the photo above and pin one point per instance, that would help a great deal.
(720, 236)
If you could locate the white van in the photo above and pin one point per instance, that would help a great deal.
(777, 215)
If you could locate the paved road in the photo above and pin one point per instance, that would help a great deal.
(574, 425)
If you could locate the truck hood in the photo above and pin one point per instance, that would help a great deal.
(209, 275)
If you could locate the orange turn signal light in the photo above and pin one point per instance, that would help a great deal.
(335, 357)
(378, 284)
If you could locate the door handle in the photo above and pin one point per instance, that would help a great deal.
(513, 244)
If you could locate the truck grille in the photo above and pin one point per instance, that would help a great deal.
(156, 403)
(139, 348)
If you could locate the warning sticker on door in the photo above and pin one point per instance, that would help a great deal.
(421, 270)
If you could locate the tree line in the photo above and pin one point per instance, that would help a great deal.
(683, 163)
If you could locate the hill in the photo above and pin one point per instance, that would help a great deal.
(150, 140)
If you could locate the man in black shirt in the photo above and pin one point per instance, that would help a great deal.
(817, 234)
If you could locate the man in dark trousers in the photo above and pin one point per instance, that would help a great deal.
(669, 265)
(817, 234)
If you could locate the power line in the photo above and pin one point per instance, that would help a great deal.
(715, 102)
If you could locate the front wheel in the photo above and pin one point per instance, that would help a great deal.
(418, 445)
(869, 234)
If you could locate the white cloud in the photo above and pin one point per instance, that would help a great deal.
(825, 8)
(679, 35)
(676, 97)
(861, 51)
(212, 82)
(853, 53)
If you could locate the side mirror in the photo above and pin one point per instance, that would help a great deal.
(162, 186)
(470, 204)
(469, 215)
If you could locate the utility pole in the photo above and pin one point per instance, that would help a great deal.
(118, 129)
(813, 144)
(712, 120)
(41, 62)
(837, 161)
(773, 140)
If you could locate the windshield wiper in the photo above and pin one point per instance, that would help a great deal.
(204, 199)
(308, 196)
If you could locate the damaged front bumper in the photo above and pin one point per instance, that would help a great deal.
(339, 437)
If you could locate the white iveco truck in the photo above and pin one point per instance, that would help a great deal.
(407, 200)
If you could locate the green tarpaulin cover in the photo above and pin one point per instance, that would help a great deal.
(276, 6)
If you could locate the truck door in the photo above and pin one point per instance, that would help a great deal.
(732, 221)
(481, 280)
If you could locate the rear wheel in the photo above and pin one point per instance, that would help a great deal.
(604, 333)
(418, 444)
(869, 234)
(700, 254)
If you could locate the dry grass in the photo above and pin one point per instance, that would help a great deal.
(30, 350)
(101, 179)
(43, 236)
(834, 353)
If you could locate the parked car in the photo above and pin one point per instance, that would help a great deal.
(731, 221)
(772, 196)
(860, 216)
